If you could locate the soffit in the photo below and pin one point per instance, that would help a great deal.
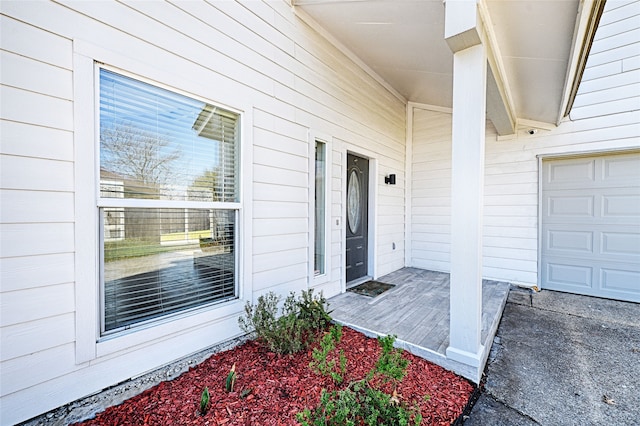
(403, 42)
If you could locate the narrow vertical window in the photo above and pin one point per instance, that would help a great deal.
(320, 209)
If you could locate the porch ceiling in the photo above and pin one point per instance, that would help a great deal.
(402, 41)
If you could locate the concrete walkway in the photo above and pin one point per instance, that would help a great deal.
(563, 359)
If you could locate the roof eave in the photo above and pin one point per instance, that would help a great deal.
(589, 14)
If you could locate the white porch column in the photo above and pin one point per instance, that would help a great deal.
(464, 34)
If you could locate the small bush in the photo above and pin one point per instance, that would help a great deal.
(312, 310)
(294, 329)
(360, 402)
(390, 367)
(322, 364)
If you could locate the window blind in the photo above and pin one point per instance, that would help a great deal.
(160, 145)
(164, 261)
(157, 144)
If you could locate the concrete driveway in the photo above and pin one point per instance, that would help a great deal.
(563, 359)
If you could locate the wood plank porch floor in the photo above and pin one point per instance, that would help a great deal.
(416, 310)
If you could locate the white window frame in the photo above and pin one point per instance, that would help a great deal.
(326, 140)
(141, 203)
(89, 344)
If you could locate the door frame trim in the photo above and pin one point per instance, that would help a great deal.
(371, 210)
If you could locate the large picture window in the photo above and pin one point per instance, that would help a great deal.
(168, 202)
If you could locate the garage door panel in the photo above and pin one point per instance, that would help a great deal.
(590, 226)
(621, 206)
(621, 167)
(578, 276)
(623, 244)
(617, 206)
(620, 281)
(576, 170)
(570, 206)
(569, 276)
(597, 243)
(577, 242)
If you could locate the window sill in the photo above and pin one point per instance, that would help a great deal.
(320, 279)
(165, 330)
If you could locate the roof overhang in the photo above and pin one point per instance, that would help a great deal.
(536, 50)
(586, 25)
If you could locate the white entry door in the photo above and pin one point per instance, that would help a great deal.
(591, 226)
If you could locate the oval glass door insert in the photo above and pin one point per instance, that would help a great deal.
(354, 204)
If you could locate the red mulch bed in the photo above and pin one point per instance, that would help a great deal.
(281, 386)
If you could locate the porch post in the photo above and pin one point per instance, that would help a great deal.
(464, 35)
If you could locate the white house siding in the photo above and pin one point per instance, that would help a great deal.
(258, 52)
(611, 81)
(605, 118)
(431, 190)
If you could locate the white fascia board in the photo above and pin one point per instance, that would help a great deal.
(541, 125)
(589, 13)
(306, 18)
(498, 109)
(527, 128)
(502, 110)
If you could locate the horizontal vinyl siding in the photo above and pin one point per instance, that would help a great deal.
(280, 204)
(29, 337)
(27, 140)
(257, 52)
(431, 190)
(21, 273)
(42, 302)
(36, 206)
(37, 214)
(611, 83)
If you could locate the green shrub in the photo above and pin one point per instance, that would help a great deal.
(312, 310)
(360, 402)
(390, 367)
(294, 329)
(322, 364)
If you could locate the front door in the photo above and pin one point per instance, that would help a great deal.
(357, 215)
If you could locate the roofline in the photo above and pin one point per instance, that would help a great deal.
(589, 14)
(505, 118)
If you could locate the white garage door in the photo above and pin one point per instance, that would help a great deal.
(591, 226)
